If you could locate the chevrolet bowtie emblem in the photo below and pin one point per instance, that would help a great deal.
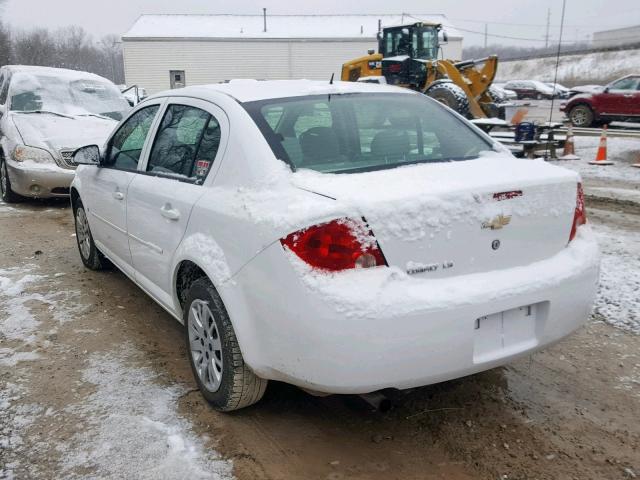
(497, 223)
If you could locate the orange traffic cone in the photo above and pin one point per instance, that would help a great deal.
(601, 156)
(569, 152)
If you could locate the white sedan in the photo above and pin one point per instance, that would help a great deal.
(344, 238)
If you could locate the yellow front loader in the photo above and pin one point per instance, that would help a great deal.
(408, 57)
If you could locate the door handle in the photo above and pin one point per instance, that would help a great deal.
(118, 195)
(170, 213)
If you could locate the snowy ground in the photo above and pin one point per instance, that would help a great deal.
(131, 426)
(623, 151)
(618, 300)
(573, 69)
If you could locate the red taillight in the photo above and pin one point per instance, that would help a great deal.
(337, 245)
(580, 216)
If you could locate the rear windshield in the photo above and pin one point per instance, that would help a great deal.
(363, 131)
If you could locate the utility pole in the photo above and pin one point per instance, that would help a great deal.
(486, 35)
(546, 37)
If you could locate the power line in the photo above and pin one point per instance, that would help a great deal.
(527, 39)
(494, 35)
(541, 25)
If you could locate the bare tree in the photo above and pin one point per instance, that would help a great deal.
(5, 45)
(36, 47)
(111, 48)
(71, 47)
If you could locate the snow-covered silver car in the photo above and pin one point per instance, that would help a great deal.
(45, 115)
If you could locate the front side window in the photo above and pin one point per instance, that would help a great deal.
(127, 143)
(186, 144)
(364, 131)
(3, 89)
(629, 83)
(429, 41)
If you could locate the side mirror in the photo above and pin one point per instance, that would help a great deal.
(444, 37)
(606, 90)
(89, 155)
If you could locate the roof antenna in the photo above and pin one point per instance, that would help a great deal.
(331, 81)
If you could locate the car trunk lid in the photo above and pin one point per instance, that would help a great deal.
(445, 219)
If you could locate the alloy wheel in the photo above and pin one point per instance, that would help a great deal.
(4, 182)
(580, 117)
(83, 233)
(205, 345)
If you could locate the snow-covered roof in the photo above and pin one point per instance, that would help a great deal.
(278, 26)
(246, 90)
(56, 72)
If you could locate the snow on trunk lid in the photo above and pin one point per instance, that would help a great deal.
(440, 220)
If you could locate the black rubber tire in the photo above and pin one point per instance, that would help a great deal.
(581, 116)
(96, 260)
(239, 386)
(496, 96)
(6, 192)
(450, 95)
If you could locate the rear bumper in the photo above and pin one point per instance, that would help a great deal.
(368, 330)
(36, 180)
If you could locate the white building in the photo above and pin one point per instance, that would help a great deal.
(168, 51)
(619, 36)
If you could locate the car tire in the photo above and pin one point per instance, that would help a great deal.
(92, 258)
(223, 377)
(450, 95)
(581, 116)
(7, 193)
(496, 96)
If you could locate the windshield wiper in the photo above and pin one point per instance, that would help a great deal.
(48, 112)
(387, 166)
(104, 117)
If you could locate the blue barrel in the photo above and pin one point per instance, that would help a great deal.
(525, 131)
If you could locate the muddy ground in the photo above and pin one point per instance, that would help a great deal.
(570, 412)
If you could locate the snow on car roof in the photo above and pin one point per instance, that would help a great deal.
(246, 90)
(57, 72)
(278, 26)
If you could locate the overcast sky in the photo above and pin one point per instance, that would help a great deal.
(524, 19)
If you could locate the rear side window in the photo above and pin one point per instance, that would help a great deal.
(364, 131)
(186, 144)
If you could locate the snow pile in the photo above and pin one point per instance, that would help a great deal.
(596, 67)
(134, 430)
(618, 300)
(203, 248)
(14, 420)
(17, 322)
(10, 358)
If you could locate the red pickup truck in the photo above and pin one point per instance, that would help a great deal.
(618, 101)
